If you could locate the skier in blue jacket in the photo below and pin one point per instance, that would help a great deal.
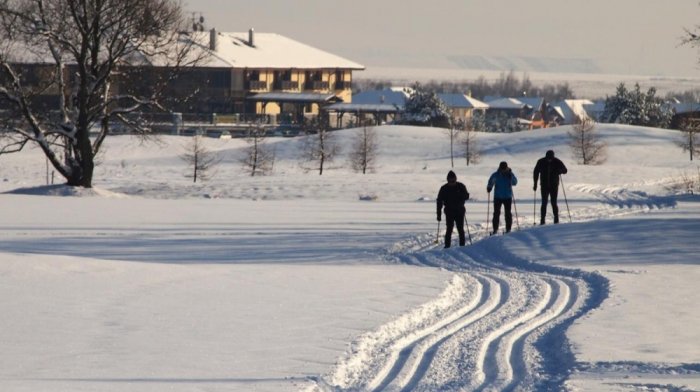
(503, 180)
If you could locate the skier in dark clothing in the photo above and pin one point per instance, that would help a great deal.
(452, 196)
(503, 180)
(548, 170)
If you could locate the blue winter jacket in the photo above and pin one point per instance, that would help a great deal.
(503, 182)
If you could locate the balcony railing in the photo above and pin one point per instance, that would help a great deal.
(257, 85)
(287, 85)
(317, 85)
(341, 85)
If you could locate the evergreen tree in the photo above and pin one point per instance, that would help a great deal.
(635, 107)
(424, 108)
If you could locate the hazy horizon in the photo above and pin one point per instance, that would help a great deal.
(639, 37)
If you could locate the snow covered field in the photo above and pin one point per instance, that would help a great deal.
(291, 282)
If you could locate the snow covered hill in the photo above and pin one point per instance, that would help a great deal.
(296, 281)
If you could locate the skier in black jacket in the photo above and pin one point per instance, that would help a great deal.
(548, 169)
(452, 196)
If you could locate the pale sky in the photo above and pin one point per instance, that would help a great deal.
(639, 37)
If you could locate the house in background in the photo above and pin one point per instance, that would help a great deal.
(530, 112)
(540, 115)
(573, 110)
(462, 107)
(512, 107)
(390, 96)
(245, 77)
(371, 107)
(684, 113)
(277, 77)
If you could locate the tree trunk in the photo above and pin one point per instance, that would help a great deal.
(82, 162)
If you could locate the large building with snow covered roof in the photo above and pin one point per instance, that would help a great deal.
(243, 76)
(267, 73)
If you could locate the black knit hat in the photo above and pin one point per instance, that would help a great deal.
(451, 174)
(550, 154)
(503, 166)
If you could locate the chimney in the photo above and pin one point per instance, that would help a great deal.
(251, 37)
(212, 40)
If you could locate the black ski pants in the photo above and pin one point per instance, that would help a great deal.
(452, 220)
(506, 203)
(549, 192)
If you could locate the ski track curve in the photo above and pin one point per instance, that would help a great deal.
(416, 357)
(502, 337)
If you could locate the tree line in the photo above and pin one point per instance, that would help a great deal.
(507, 85)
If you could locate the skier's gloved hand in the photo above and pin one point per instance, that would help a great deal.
(534, 188)
(467, 196)
(439, 217)
(488, 190)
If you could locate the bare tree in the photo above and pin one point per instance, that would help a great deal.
(685, 183)
(364, 150)
(77, 50)
(472, 152)
(586, 144)
(200, 159)
(320, 147)
(689, 142)
(453, 133)
(259, 158)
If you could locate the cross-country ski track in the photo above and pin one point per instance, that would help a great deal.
(498, 336)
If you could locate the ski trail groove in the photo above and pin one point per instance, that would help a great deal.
(413, 356)
(488, 362)
(565, 301)
(401, 349)
(510, 349)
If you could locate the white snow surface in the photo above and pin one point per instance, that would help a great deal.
(301, 282)
(269, 50)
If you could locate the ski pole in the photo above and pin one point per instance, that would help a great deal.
(437, 235)
(488, 207)
(466, 223)
(565, 199)
(515, 206)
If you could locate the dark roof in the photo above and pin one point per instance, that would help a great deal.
(534, 102)
(378, 97)
(364, 108)
(293, 97)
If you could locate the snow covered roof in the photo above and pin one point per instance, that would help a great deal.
(377, 97)
(461, 101)
(232, 50)
(507, 103)
(680, 107)
(362, 107)
(269, 50)
(534, 102)
(574, 108)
